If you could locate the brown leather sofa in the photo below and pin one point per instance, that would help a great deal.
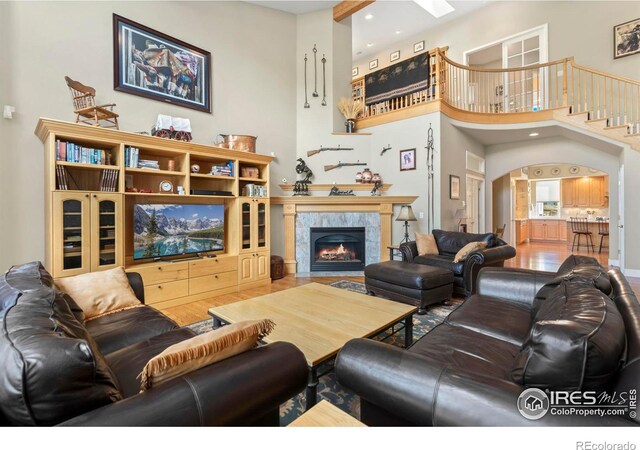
(464, 272)
(57, 369)
(575, 330)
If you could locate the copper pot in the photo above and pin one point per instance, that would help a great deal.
(240, 142)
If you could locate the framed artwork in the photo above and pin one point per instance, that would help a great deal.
(394, 56)
(418, 47)
(354, 72)
(626, 39)
(373, 64)
(454, 187)
(154, 65)
(408, 159)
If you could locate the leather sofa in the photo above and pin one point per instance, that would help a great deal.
(57, 369)
(464, 272)
(574, 330)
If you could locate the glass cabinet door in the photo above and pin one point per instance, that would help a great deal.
(71, 234)
(105, 235)
(245, 223)
(261, 239)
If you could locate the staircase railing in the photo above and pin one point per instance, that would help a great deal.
(529, 89)
(605, 96)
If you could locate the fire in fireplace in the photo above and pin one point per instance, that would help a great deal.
(337, 249)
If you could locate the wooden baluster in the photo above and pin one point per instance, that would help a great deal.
(438, 75)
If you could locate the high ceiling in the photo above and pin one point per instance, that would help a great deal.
(388, 18)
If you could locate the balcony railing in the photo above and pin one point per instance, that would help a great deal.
(530, 89)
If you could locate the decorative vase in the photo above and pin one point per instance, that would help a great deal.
(350, 125)
(366, 175)
(359, 177)
(376, 178)
(195, 168)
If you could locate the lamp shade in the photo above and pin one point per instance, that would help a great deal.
(406, 214)
(461, 213)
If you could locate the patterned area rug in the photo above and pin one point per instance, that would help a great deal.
(328, 388)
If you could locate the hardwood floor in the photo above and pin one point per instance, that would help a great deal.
(536, 256)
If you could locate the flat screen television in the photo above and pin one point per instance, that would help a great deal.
(162, 230)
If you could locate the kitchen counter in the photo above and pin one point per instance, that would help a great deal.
(590, 220)
(547, 218)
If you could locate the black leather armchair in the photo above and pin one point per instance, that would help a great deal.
(460, 373)
(464, 273)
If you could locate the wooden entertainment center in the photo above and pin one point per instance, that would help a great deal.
(89, 209)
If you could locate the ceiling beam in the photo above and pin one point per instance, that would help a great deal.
(345, 9)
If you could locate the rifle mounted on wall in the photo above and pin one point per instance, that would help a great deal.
(327, 149)
(341, 164)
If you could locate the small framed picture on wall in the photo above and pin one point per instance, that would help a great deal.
(373, 64)
(626, 39)
(408, 159)
(418, 47)
(454, 187)
(354, 72)
(394, 56)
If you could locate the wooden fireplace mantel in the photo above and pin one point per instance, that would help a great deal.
(383, 205)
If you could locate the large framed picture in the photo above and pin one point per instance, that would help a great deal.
(626, 39)
(454, 187)
(408, 159)
(152, 64)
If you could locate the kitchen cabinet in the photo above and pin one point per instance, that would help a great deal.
(547, 230)
(585, 192)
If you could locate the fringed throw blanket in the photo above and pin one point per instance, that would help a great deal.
(406, 77)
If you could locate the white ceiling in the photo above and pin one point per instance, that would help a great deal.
(389, 16)
(296, 7)
(407, 17)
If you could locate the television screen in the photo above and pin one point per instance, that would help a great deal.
(168, 230)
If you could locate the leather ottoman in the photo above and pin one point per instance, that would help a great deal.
(277, 267)
(415, 284)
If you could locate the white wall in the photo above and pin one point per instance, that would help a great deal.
(253, 49)
(631, 161)
(503, 158)
(583, 29)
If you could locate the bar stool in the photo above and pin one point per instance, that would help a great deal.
(580, 227)
(603, 231)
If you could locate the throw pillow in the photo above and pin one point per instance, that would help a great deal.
(426, 244)
(468, 249)
(100, 293)
(202, 350)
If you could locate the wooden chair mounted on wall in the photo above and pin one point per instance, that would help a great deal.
(86, 109)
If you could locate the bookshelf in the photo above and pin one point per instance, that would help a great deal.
(89, 204)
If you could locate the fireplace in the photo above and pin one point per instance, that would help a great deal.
(337, 249)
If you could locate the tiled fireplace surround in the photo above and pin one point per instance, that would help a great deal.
(306, 220)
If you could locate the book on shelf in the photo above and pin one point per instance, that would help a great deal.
(109, 180)
(131, 156)
(148, 164)
(61, 178)
(71, 152)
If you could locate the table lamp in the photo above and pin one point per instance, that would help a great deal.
(406, 215)
(461, 214)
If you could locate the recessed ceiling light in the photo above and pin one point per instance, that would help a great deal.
(370, 44)
(398, 31)
(437, 8)
(534, 134)
(369, 16)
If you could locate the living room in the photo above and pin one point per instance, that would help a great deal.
(350, 180)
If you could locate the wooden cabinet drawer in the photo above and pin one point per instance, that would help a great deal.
(212, 282)
(209, 266)
(162, 273)
(166, 291)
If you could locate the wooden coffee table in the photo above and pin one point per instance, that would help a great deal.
(319, 320)
(324, 414)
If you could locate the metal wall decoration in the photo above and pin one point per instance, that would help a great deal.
(324, 82)
(430, 180)
(385, 150)
(301, 187)
(327, 149)
(336, 191)
(306, 101)
(315, 71)
(341, 164)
